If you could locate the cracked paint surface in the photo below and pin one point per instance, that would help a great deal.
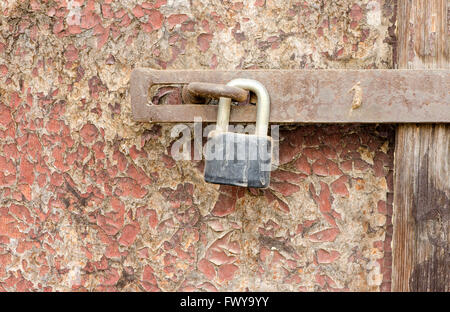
(90, 200)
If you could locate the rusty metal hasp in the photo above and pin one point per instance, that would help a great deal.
(301, 96)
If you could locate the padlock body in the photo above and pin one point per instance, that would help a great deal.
(238, 159)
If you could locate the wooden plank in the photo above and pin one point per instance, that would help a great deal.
(422, 160)
(309, 96)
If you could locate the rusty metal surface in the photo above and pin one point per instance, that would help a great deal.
(309, 96)
(197, 92)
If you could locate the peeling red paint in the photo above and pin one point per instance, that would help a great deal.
(82, 184)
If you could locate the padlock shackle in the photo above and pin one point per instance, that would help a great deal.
(262, 106)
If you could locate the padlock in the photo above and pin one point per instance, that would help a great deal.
(235, 158)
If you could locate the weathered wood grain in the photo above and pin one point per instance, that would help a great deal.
(422, 160)
(421, 208)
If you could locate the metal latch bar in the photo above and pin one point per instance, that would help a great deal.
(196, 92)
(308, 96)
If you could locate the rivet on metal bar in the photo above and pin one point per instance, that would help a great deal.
(197, 92)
